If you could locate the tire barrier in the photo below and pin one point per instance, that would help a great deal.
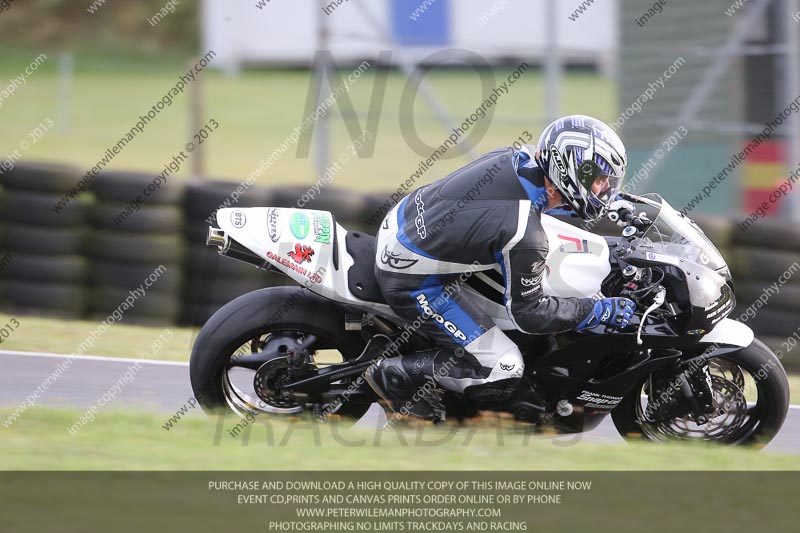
(33, 240)
(762, 264)
(780, 345)
(47, 299)
(44, 268)
(46, 178)
(137, 225)
(83, 260)
(35, 209)
(767, 233)
(125, 187)
(150, 219)
(345, 205)
(211, 280)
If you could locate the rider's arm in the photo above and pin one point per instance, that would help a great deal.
(523, 265)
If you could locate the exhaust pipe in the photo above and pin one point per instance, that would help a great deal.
(230, 248)
(215, 237)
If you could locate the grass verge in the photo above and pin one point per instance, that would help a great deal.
(57, 335)
(126, 440)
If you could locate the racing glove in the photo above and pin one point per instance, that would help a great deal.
(616, 312)
(617, 206)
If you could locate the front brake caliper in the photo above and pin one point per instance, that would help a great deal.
(699, 380)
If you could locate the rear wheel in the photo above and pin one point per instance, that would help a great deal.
(249, 349)
(253, 378)
(750, 396)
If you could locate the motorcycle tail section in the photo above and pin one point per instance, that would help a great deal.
(297, 242)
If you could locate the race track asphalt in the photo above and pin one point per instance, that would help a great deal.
(163, 386)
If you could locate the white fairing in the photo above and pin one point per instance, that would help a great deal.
(730, 332)
(299, 242)
(577, 262)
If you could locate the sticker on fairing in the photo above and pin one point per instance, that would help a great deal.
(322, 228)
(299, 225)
(274, 224)
(599, 401)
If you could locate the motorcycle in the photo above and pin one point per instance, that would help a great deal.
(680, 370)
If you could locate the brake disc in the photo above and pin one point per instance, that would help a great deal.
(268, 382)
(730, 413)
(727, 370)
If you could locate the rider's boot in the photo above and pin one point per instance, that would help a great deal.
(407, 384)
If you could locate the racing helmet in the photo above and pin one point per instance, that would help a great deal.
(585, 161)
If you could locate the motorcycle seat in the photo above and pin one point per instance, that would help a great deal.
(361, 276)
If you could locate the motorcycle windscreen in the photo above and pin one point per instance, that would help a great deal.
(675, 234)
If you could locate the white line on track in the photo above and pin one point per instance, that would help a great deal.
(128, 360)
(96, 358)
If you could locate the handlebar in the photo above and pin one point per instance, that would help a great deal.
(622, 212)
(637, 222)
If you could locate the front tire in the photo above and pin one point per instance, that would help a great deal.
(764, 417)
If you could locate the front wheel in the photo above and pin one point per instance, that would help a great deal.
(750, 395)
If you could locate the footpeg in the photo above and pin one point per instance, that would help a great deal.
(527, 412)
(564, 408)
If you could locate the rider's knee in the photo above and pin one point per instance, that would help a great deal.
(502, 381)
(510, 365)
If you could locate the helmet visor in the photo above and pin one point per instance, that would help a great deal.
(605, 187)
(602, 185)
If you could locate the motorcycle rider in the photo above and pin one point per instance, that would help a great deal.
(486, 214)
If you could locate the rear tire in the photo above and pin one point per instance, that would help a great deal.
(253, 315)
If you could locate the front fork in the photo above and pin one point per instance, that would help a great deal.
(692, 392)
(698, 392)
